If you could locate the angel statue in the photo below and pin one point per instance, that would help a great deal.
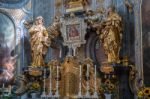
(39, 41)
(110, 34)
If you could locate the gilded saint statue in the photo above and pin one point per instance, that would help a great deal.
(110, 34)
(39, 42)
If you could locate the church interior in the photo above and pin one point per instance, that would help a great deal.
(74, 49)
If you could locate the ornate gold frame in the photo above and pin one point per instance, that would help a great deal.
(78, 22)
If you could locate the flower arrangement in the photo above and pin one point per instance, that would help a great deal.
(108, 86)
(35, 86)
(144, 93)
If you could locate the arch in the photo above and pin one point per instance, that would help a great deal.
(90, 47)
(7, 48)
(59, 43)
(7, 16)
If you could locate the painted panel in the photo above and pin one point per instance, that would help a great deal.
(7, 45)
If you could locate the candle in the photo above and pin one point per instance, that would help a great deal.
(95, 95)
(87, 72)
(57, 83)
(44, 79)
(80, 72)
(57, 73)
(10, 89)
(44, 94)
(50, 81)
(95, 77)
(80, 78)
(60, 53)
(74, 51)
(70, 51)
(3, 85)
(87, 82)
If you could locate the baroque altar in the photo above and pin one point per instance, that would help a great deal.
(79, 55)
(74, 77)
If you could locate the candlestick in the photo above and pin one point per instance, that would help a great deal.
(70, 53)
(95, 95)
(95, 78)
(50, 83)
(44, 94)
(3, 85)
(10, 88)
(74, 51)
(87, 72)
(3, 89)
(60, 53)
(80, 79)
(57, 83)
(87, 95)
